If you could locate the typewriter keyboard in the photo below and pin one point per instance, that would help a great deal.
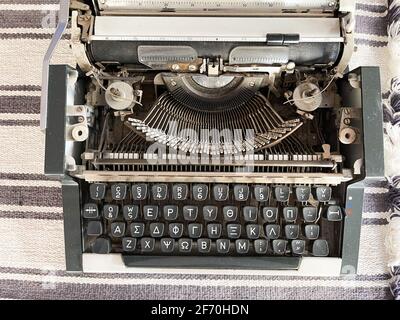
(211, 219)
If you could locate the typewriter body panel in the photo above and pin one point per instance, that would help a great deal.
(212, 135)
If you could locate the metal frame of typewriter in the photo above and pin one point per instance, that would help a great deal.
(63, 94)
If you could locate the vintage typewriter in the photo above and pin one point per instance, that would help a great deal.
(211, 135)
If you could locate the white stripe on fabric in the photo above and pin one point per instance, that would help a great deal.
(20, 93)
(30, 183)
(8, 207)
(27, 69)
(19, 116)
(22, 150)
(32, 243)
(29, 7)
(375, 190)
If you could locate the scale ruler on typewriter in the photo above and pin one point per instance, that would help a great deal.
(221, 5)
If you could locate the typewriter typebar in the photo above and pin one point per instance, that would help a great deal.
(211, 135)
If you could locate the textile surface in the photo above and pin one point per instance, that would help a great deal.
(31, 225)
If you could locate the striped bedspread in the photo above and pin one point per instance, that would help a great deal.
(31, 226)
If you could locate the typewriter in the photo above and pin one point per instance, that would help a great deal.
(211, 135)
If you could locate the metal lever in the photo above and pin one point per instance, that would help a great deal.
(62, 24)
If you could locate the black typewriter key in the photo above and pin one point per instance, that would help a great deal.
(292, 231)
(320, 248)
(282, 193)
(221, 192)
(128, 244)
(130, 212)
(214, 230)
(90, 211)
(242, 246)
(102, 245)
(222, 245)
(185, 245)
(150, 212)
(290, 214)
(303, 193)
(272, 231)
(110, 211)
(137, 229)
(167, 245)
(241, 192)
(195, 230)
(156, 230)
(204, 245)
(309, 214)
(250, 214)
(253, 231)
(230, 213)
(323, 193)
(261, 193)
(94, 228)
(270, 214)
(311, 231)
(190, 213)
(180, 192)
(210, 213)
(298, 247)
(118, 229)
(200, 192)
(260, 246)
(139, 191)
(159, 192)
(334, 213)
(147, 244)
(234, 231)
(97, 191)
(175, 230)
(170, 212)
(118, 191)
(279, 246)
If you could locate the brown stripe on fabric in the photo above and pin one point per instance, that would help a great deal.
(24, 176)
(370, 43)
(19, 289)
(25, 18)
(20, 123)
(33, 36)
(374, 221)
(34, 19)
(371, 7)
(19, 104)
(371, 25)
(377, 184)
(31, 215)
(22, 87)
(31, 196)
(376, 202)
(160, 276)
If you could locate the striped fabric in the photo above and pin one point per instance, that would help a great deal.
(31, 227)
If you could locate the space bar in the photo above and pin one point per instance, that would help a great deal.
(211, 262)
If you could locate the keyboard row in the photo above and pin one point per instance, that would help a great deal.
(146, 245)
(112, 212)
(202, 192)
(210, 230)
